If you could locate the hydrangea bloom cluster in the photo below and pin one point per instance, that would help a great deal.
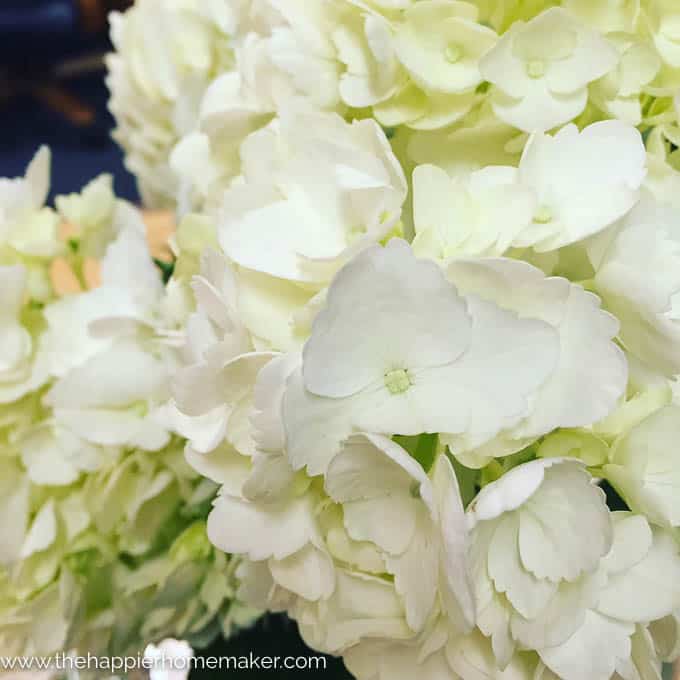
(103, 543)
(424, 315)
(460, 83)
(411, 388)
(412, 385)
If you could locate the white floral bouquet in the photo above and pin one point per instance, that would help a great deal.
(422, 331)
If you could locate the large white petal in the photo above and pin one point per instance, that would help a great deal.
(650, 589)
(590, 373)
(308, 573)
(359, 337)
(372, 466)
(552, 544)
(593, 652)
(238, 526)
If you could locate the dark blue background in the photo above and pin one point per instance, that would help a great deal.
(78, 154)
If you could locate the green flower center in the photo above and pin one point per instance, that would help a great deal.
(543, 215)
(397, 381)
(453, 53)
(536, 68)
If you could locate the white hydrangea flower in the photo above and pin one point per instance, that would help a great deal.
(479, 215)
(295, 59)
(642, 576)
(317, 190)
(575, 597)
(582, 181)
(541, 70)
(311, 550)
(220, 365)
(591, 372)
(420, 110)
(566, 188)
(385, 363)
(131, 302)
(425, 538)
(25, 224)
(440, 44)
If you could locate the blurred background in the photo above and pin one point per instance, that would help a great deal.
(52, 91)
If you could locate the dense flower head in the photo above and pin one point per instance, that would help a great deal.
(422, 334)
(425, 69)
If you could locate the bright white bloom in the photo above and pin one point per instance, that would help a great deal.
(109, 393)
(541, 70)
(582, 181)
(211, 389)
(641, 572)
(439, 42)
(317, 190)
(130, 301)
(423, 536)
(533, 586)
(318, 553)
(573, 596)
(205, 161)
(481, 214)
(567, 187)
(385, 362)
(296, 58)
(591, 372)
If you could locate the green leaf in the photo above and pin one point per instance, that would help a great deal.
(167, 268)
